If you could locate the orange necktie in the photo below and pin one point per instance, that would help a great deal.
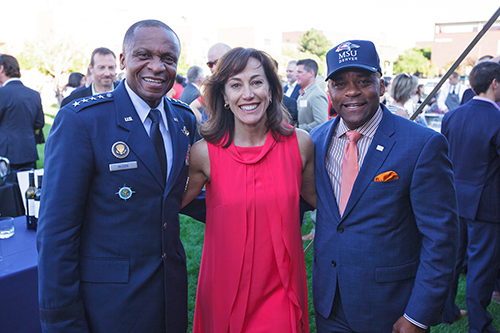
(350, 168)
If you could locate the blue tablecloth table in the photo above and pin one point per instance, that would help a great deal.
(19, 281)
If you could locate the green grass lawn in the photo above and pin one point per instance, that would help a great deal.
(192, 233)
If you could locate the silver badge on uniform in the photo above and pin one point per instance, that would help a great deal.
(120, 149)
(125, 192)
(185, 131)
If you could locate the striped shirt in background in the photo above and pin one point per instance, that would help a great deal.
(336, 150)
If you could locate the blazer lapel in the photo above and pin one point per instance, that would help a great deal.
(138, 140)
(180, 141)
(325, 190)
(378, 151)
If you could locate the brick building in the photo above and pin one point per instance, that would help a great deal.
(451, 39)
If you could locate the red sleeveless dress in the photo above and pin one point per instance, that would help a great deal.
(252, 274)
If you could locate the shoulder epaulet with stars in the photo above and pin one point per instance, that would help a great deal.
(179, 103)
(81, 103)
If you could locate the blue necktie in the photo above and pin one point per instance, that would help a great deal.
(157, 139)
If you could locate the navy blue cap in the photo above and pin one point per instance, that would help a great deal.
(353, 54)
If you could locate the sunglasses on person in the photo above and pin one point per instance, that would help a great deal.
(211, 64)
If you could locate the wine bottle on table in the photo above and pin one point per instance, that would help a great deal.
(30, 202)
(38, 194)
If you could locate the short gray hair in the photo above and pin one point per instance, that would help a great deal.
(193, 74)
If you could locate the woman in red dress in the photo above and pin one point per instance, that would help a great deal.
(255, 167)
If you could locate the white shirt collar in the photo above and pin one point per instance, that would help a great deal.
(12, 79)
(487, 100)
(94, 92)
(292, 86)
(143, 108)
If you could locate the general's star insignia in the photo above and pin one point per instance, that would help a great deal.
(85, 100)
(93, 98)
(100, 96)
(76, 104)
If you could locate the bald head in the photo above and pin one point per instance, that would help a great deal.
(215, 52)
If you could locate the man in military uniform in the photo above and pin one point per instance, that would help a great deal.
(116, 165)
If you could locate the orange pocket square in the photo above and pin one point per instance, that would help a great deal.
(386, 176)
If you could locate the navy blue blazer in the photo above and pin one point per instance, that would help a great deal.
(189, 94)
(394, 249)
(108, 263)
(473, 132)
(20, 114)
(467, 96)
(291, 105)
(296, 91)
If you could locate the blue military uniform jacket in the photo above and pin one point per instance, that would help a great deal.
(110, 258)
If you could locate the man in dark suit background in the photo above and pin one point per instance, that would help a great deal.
(386, 227)
(20, 114)
(292, 89)
(473, 132)
(469, 93)
(116, 165)
(195, 78)
(103, 68)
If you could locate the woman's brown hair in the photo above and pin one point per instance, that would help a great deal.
(219, 128)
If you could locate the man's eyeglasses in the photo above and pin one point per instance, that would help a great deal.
(211, 64)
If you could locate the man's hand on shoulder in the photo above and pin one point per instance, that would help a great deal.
(403, 325)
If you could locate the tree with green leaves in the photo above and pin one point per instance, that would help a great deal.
(53, 57)
(315, 43)
(414, 60)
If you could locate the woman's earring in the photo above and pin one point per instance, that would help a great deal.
(226, 106)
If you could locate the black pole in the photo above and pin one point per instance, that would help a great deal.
(486, 27)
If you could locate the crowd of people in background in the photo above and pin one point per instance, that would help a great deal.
(399, 210)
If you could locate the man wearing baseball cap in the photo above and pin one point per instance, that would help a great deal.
(386, 234)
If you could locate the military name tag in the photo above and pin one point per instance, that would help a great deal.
(123, 166)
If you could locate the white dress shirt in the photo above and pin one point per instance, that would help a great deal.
(143, 109)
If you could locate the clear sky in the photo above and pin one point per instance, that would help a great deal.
(401, 22)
